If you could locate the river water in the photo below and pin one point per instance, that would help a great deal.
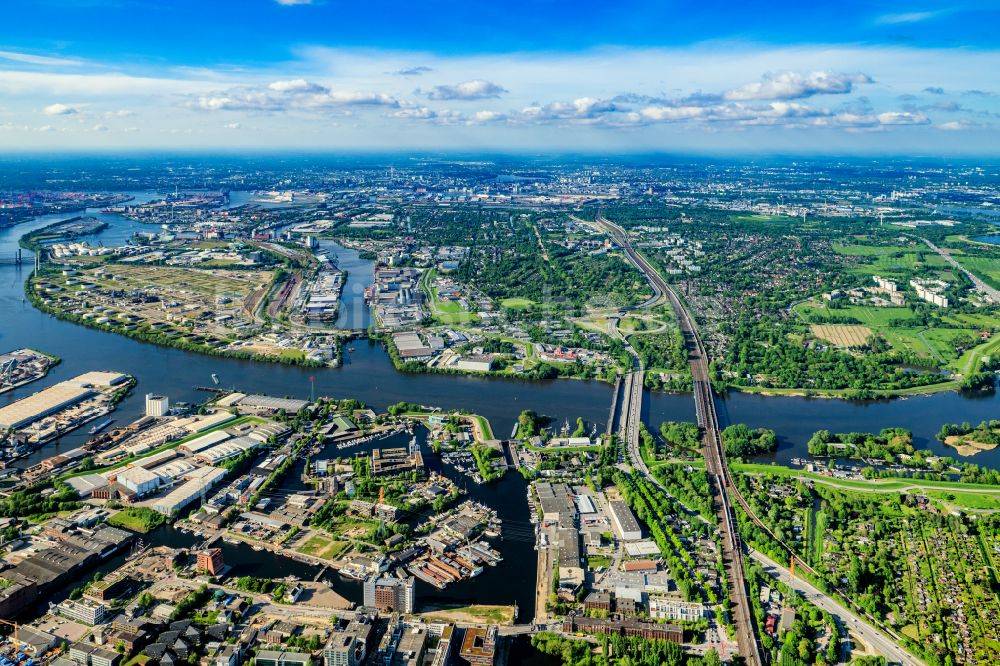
(368, 375)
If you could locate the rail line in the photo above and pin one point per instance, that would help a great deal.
(715, 460)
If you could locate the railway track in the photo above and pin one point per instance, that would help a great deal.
(715, 457)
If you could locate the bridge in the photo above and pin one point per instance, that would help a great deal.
(715, 456)
(15, 258)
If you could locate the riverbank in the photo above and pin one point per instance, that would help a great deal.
(849, 394)
(162, 339)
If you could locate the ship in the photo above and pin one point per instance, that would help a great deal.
(215, 379)
(100, 426)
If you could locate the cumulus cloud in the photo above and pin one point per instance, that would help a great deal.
(296, 86)
(934, 90)
(292, 3)
(290, 95)
(792, 85)
(467, 90)
(99, 128)
(233, 126)
(59, 110)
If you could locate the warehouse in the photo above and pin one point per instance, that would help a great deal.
(204, 442)
(626, 526)
(226, 450)
(139, 480)
(198, 485)
(47, 401)
(268, 403)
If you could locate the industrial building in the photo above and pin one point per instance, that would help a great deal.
(623, 520)
(157, 405)
(199, 483)
(57, 397)
(139, 480)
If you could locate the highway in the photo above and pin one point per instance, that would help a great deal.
(715, 460)
(993, 294)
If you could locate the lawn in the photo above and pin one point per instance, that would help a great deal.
(517, 303)
(597, 561)
(320, 546)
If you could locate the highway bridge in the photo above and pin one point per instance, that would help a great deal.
(715, 456)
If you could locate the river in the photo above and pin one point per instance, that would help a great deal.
(368, 375)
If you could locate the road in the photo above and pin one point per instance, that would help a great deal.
(715, 461)
(871, 636)
(993, 294)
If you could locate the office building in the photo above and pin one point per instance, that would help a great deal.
(389, 593)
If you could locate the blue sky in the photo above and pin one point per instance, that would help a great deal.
(848, 77)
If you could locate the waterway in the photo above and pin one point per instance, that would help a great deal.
(368, 375)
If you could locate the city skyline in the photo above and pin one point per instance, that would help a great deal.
(291, 74)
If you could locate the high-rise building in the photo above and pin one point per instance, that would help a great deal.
(157, 405)
(210, 561)
(388, 593)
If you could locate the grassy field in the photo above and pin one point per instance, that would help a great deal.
(517, 303)
(473, 614)
(937, 343)
(320, 546)
(957, 487)
(447, 312)
(986, 267)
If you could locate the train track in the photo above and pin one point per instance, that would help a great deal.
(715, 456)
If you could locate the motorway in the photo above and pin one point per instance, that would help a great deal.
(715, 460)
(992, 293)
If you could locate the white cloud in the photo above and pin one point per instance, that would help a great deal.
(33, 59)
(233, 126)
(296, 86)
(792, 85)
(292, 3)
(908, 17)
(467, 90)
(121, 113)
(99, 128)
(59, 110)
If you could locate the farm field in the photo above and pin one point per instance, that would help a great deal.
(842, 335)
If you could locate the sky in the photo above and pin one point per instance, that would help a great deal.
(903, 77)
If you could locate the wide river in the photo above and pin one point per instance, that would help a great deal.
(368, 375)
